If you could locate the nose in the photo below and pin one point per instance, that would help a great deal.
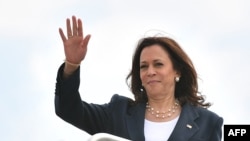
(151, 71)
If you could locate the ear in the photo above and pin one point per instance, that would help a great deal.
(178, 74)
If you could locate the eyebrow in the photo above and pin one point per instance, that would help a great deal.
(156, 60)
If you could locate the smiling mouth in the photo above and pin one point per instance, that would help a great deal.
(153, 82)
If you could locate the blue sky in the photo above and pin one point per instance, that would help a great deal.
(215, 33)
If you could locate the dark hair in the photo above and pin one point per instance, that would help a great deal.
(186, 90)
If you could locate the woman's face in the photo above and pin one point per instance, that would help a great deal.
(156, 72)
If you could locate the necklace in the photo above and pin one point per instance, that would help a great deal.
(163, 114)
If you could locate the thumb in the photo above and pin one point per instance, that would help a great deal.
(85, 41)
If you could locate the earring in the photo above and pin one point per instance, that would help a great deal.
(141, 89)
(177, 79)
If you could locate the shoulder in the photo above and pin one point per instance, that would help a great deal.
(203, 115)
(205, 123)
(119, 106)
(204, 112)
(119, 101)
(117, 97)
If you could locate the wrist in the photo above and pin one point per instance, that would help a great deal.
(68, 63)
(69, 68)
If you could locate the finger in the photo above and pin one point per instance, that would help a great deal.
(86, 41)
(80, 32)
(69, 32)
(74, 26)
(62, 35)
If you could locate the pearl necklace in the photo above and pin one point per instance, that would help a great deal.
(163, 114)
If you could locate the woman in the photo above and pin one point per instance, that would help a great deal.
(166, 105)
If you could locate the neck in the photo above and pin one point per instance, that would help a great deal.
(162, 104)
(162, 110)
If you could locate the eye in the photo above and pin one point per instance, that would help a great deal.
(158, 64)
(143, 66)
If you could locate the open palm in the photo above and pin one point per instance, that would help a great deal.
(75, 46)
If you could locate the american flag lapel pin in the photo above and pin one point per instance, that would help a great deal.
(189, 126)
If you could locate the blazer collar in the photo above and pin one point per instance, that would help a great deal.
(186, 126)
(135, 122)
(184, 129)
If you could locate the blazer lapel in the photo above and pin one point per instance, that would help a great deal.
(135, 122)
(185, 127)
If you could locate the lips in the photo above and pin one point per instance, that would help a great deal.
(152, 81)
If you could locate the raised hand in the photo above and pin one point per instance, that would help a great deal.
(75, 44)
